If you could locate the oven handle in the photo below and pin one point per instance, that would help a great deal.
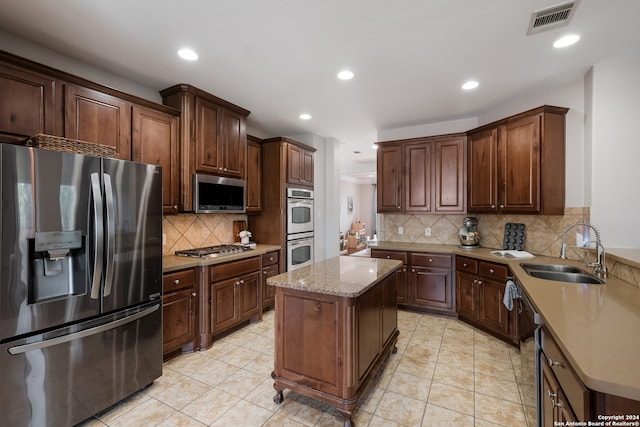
(300, 242)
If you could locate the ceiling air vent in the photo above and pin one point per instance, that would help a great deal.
(552, 17)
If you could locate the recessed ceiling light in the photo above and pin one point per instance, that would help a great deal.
(305, 116)
(566, 41)
(471, 84)
(345, 75)
(188, 54)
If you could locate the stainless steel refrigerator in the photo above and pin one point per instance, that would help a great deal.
(80, 284)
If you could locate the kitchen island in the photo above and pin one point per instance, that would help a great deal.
(335, 325)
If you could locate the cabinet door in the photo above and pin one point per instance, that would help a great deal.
(154, 140)
(417, 177)
(268, 292)
(27, 103)
(254, 176)
(549, 392)
(491, 311)
(401, 285)
(482, 181)
(249, 295)
(519, 166)
(431, 288)
(96, 117)
(234, 144)
(449, 167)
(295, 161)
(224, 304)
(178, 319)
(389, 307)
(369, 329)
(208, 145)
(389, 177)
(307, 167)
(466, 298)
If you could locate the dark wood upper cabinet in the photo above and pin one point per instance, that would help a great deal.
(254, 174)
(154, 140)
(94, 116)
(422, 175)
(27, 103)
(299, 165)
(213, 136)
(517, 165)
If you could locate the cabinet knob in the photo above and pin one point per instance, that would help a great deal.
(264, 272)
(464, 264)
(493, 206)
(491, 270)
(241, 281)
(501, 206)
(551, 394)
(557, 403)
(388, 256)
(175, 207)
(479, 282)
(398, 206)
(554, 363)
(177, 281)
(430, 259)
(413, 270)
(193, 294)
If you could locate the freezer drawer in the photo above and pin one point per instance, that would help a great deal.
(65, 376)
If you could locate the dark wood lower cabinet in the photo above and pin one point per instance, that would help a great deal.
(270, 268)
(329, 347)
(179, 311)
(479, 297)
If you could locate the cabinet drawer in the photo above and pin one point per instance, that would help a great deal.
(497, 272)
(179, 280)
(431, 260)
(467, 265)
(233, 268)
(576, 392)
(399, 255)
(270, 258)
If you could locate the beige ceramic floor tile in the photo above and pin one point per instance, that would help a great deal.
(122, 407)
(243, 414)
(451, 397)
(188, 364)
(240, 383)
(263, 364)
(438, 416)
(458, 377)
(263, 394)
(183, 393)
(371, 399)
(214, 372)
(457, 345)
(499, 411)
(210, 406)
(377, 421)
(219, 349)
(418, 367)
(455, 359)
(180, 420)
(169, 378)
(410, 386)
(401, 409)
(421, 352)
(279, 420)
(496, 369)
(240, 356)
(150, 413)
(496, 387)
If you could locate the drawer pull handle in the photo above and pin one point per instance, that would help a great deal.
(554, 363)
(177, 281)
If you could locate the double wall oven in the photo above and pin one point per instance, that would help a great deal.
(299, 228)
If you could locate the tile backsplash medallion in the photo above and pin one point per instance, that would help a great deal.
(188, 230)
(543, 234)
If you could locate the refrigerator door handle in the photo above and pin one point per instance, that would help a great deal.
(19, 349)
(98, 241)
(111, 225)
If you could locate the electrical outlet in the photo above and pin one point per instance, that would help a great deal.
(400, 230)
(164, 239)
(427, 231)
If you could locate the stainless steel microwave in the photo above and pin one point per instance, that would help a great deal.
(217, 194)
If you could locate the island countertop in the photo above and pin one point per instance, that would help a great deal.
(340, 276)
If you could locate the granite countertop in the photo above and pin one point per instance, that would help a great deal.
(339, 276)
(175, 263)
(596, 326)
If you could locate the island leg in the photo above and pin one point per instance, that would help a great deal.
(278, 397)
(347, 417)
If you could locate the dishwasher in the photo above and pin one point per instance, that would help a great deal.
(529, 382)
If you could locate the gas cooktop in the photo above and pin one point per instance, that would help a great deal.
(213, 251)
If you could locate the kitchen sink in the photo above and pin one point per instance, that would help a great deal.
(551, 267)
(561, 273)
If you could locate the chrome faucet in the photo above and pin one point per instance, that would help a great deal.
(599, 267)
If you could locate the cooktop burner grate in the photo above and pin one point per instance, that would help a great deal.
(212, 251)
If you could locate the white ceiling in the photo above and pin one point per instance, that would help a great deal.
(279, 58)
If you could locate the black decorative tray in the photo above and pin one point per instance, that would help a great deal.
(514, 236)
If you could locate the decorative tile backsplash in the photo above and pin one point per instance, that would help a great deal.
(188, 231)
(543, 234)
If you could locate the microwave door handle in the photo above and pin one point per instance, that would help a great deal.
(98, 238)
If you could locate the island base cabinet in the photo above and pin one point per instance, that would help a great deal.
(330, 347)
